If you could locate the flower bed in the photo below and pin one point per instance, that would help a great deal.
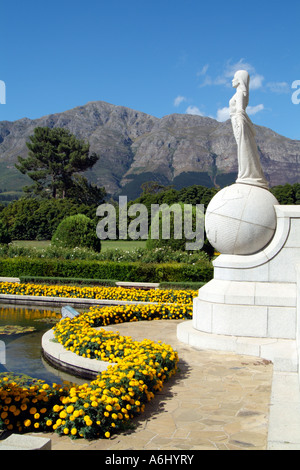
(107, 404)
(98, 292)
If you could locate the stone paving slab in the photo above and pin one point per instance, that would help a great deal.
(25, 442)
(216, 401)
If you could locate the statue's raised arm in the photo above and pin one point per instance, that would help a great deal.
(250, 170)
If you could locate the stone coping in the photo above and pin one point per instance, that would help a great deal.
(56, 354)
(48, 300)
(9, 279)
(139, 285)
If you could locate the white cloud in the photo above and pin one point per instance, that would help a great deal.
(227, 75)
(203, 70)
(230, 68)
(223, 114)
(178, 100)
(279, 87)
(194, 110)
(251, 110)
(256, 82)
(255, 79)
(207, 81)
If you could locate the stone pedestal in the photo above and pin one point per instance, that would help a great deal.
(250, 306)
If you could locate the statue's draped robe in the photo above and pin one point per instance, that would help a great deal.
(250, 171)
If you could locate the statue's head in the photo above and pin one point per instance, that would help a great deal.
(241, 79)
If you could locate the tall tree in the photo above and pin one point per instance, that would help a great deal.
(55, 156)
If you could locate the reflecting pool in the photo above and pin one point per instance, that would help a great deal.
(23, 351)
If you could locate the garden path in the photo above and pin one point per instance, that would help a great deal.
(216, 401)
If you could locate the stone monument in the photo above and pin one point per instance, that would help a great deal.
(241, 219)
(250, 306)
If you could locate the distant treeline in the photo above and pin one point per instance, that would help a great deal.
(33, 218)
(287, 194)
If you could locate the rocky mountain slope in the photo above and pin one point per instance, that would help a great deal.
(134, 147)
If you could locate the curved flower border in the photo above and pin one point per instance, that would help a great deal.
(107, 404)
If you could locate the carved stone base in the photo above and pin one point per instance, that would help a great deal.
(254, 297)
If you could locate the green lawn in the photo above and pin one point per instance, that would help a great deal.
(122, 244)
(106, 244)
(32, 243)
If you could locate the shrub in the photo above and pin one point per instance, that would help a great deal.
(179, 245)
(37, 219)
(157, 255)
(77, 231)
(5, 238)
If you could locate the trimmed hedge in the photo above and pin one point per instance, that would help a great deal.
(182, 285)
(102, 282)
(134, 272)
(67, 280)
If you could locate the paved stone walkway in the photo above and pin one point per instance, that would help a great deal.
(216, 401)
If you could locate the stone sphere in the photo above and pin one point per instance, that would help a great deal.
(240, 219)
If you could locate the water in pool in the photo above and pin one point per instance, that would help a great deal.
(23, 351)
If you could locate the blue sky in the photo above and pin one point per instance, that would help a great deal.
(159, 57)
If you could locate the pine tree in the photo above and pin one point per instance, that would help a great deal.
(55, 156)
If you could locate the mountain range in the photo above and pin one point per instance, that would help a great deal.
(134, 147)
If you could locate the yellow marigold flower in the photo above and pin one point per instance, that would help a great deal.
(66, 431)
(73, 431)
(107, 434)
(27, 423)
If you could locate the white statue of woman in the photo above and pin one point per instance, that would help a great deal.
(250, 171)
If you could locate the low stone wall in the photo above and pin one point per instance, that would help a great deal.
(68, 361)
